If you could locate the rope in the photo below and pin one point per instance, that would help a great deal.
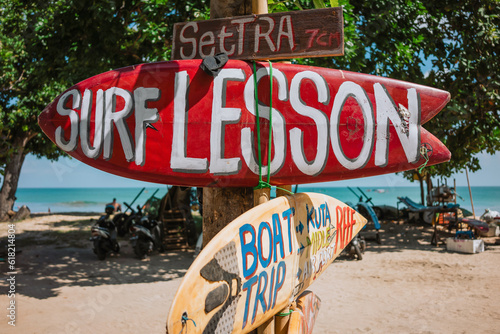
(184, 320)
(263, 184)
(284, 314)
(270, 121)
(285, 190)
(423, 153)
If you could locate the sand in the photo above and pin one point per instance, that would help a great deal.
(404, 285)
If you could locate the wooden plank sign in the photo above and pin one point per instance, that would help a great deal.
(260, 262)
(172, 123)
(308, 33)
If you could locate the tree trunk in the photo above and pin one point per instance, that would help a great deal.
(422, 190)
(223, 205)
(228, 8)
(11, 176)
(429, 188)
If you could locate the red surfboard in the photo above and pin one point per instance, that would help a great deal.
(172, 123)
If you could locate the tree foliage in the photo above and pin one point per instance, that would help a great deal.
(47, 46)
(450, 45)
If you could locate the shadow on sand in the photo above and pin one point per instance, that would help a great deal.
(49, 260)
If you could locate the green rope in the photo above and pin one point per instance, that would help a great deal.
(284, 314)
(256, 95)
(285, 190)
(423, 153)
(270, 122)
(263, 184)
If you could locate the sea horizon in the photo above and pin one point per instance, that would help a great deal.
(93, 199)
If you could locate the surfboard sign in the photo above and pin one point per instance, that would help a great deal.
(260, 262)
(303, 33)
(172, 123)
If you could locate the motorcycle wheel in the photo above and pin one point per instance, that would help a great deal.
(141, 248)
(359, 256)
(116, 248)
(159, 240)
(99, 250)
(128, 223)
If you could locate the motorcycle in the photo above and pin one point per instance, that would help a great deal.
(104, 235)
(123, 221)
(146, 237)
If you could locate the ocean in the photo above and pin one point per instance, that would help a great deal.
(94, 199)
(81, 199)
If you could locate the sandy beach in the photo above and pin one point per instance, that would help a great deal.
(404, 285)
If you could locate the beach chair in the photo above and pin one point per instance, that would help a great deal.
(428, 214)
(416, 207)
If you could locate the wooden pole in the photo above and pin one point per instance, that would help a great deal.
(455, 189)
(259, 7)
(262, 195)
(470, 193)
(222, 205)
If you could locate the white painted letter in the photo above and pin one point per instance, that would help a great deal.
(178, 160)
(188, 40)
(288, 34)
(346, 90)
(241, 31)
(279, 136)
(259, 35)
(91, 151)
(69, 145)
(220, 117)
(407, 128)
(296, 135)
(118, 117)
(222, 36)
(143, 117)
(207, 39)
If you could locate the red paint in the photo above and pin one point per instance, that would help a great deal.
(345, 225)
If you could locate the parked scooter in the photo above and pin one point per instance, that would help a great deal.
(356, 247)
(146, 237)
(104, 235)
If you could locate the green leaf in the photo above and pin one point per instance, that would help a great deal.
(318, 4)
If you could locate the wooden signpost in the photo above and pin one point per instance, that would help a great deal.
(260, 262)
(308, 33)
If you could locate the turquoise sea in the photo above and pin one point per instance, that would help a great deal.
(81, 199)
(94, 199)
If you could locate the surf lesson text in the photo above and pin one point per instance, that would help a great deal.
(131, 114)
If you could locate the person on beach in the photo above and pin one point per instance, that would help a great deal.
(115, 205)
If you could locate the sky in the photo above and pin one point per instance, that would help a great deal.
(71, 173)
